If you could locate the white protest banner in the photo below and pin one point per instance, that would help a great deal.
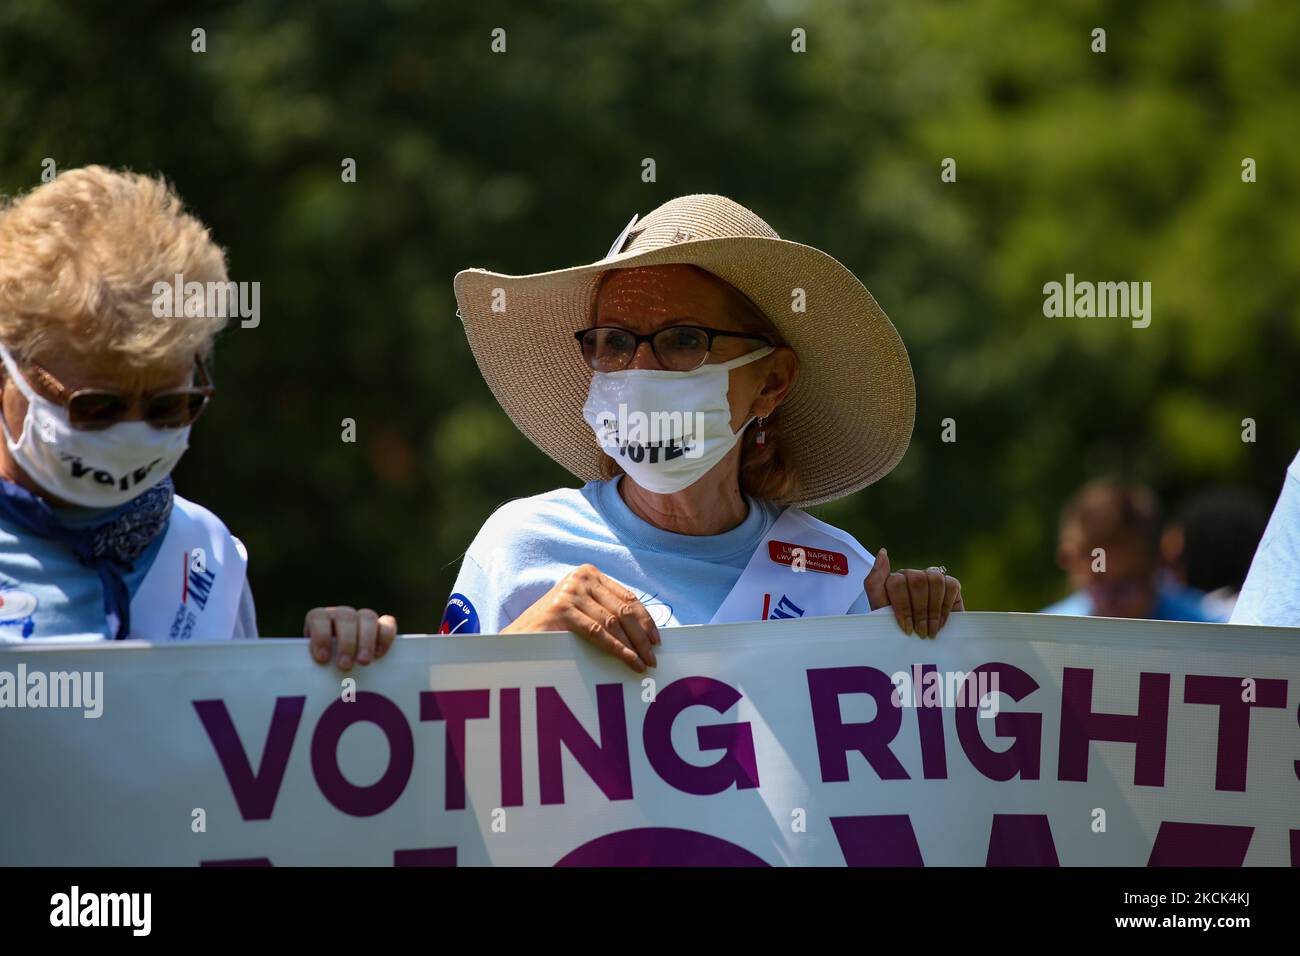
(814, 741)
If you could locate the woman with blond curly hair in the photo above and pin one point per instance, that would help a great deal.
(103, 379)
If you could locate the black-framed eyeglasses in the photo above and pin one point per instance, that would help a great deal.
(679, 348)
(94, 409)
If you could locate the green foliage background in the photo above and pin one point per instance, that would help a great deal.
(1117, 166)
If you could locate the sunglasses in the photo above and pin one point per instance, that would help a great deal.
(93, 409)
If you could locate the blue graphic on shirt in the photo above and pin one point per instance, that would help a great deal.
(785, 608)
(200, 585)
(661, 612)
(17, 608)
(459, 617)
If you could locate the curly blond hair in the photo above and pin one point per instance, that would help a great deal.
(79, 259)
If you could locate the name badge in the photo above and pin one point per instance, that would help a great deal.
(811, 559)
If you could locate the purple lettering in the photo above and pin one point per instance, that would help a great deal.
(243, 861)
(431, 856)
(1234, 720)
(1146, 730)
(512, 749)
(607, 763)
(934, 759)
(738, 764)
(1021, 839)
(1025, 730)
(455, 707)
(254, 793)
(1200, 844)
(835, 738)
(660, 846)
(383, 793)
(884, 840)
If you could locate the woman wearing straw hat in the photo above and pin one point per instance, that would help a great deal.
(707, 379)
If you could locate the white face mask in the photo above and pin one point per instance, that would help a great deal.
(96, 469)
(665, 429)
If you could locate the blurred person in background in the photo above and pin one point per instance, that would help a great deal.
(1110, 549)
(1271, 592)
(1208, 546)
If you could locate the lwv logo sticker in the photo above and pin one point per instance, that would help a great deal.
(785, 608)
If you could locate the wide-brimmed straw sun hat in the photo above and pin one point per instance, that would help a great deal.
(846, 422)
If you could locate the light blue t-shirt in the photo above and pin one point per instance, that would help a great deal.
(1271, 594)
(528, 544)
(46, 592)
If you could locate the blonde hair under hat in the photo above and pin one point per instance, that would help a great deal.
(846, 422)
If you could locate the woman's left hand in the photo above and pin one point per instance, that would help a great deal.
(921, 597)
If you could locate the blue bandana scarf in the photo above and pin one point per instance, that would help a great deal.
(110, 547)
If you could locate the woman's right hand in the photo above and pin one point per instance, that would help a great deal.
(362, 636)
(598, 609)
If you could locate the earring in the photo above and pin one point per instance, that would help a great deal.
(761, 437)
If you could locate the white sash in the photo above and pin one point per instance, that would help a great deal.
(192, 590)
(777, 588)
